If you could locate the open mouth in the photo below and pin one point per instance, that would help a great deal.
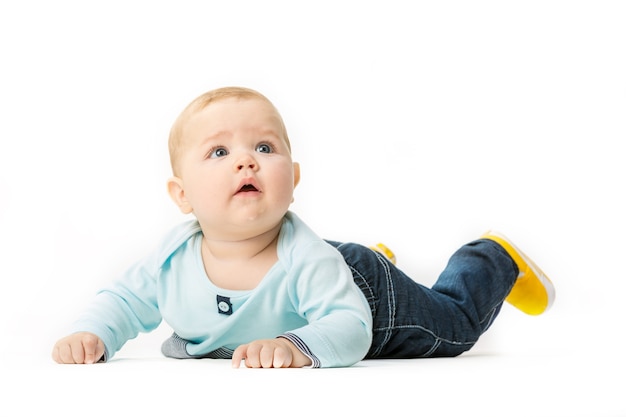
(246, 188)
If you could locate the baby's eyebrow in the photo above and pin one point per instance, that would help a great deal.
(217, 136)
(266, 131)
(260, 132)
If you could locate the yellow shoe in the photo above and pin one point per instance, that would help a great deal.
(533, 292)
(385, 251)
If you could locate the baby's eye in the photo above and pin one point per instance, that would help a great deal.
(218, 152)
(265, 148)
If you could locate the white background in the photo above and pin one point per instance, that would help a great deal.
(418, 124)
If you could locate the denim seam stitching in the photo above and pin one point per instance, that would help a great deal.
(391, 303)
(430, 332)
(366, 287)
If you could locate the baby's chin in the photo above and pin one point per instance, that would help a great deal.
(243, 226)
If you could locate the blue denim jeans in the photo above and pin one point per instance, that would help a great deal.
(411, 320)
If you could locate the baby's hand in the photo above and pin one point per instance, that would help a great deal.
(80, 347)
(270, 353)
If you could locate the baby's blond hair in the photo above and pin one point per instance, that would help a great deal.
(176, 138)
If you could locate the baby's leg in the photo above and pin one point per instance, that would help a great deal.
(411, 320)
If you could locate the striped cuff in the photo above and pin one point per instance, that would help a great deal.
(302, 347)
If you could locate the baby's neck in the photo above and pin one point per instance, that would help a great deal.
(239, 265)
(241, 249)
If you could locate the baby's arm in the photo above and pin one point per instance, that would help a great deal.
(270, 353)
(82, 347)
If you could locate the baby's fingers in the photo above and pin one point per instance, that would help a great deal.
(78, 348)
(238, 355)
(93, 349)
(282, 358)
(271, 353)
(251, 355)
(62, 353)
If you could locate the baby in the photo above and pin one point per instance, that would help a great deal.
(248, 280)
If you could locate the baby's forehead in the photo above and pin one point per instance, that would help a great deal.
(235, 105)
(226, 112)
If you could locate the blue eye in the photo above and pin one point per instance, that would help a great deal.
(218, 152)
(264, 148)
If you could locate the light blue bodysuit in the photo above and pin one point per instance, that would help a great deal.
(308, 296)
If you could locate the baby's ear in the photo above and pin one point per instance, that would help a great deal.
(177, 194)
(296, 174)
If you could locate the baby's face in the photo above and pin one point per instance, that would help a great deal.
(236, 168)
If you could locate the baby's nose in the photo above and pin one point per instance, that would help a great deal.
(242, 166)
(245, 162)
